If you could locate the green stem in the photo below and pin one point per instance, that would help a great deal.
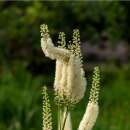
(61, 113)
(64, 121)
(59, 117)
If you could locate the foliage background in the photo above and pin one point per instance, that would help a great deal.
(24, 69)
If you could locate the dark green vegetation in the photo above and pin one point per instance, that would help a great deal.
(20, 22)
(21, 100)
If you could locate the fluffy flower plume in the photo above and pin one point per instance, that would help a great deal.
(69, 81)
(47, 119)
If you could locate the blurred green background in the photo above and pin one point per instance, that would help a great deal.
(105, 41)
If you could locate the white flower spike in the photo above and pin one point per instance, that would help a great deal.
(92, 109)
(69, 76)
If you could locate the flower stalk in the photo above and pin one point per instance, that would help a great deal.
(47, 118)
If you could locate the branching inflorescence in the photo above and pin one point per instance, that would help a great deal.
(70, 83)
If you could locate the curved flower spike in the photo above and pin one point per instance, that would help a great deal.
(48, 47)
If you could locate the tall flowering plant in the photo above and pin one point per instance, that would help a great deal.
(70, 83)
